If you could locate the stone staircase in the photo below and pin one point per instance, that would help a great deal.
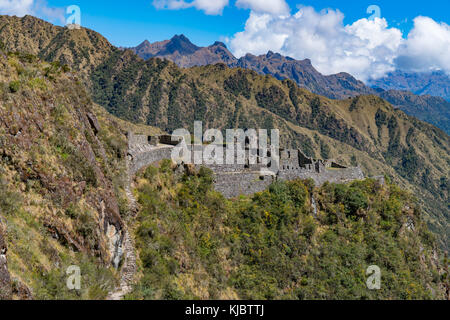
(128, 271)
(132, 202)
(129, 268)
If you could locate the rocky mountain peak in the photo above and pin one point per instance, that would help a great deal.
(306, 62)
(219, 44)
(181, 44)
(273, 55)
(145, 43)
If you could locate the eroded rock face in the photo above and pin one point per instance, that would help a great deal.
(93, 122)
(5, 279)
(21, 292)
(115, 240)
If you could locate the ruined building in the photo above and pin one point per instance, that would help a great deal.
(235, 179)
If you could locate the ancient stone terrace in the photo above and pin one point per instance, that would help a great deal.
(235, 179)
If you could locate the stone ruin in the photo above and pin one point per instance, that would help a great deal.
(246, 179)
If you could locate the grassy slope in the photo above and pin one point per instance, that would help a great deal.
(194, 244)
(54, 173)
(434, 110)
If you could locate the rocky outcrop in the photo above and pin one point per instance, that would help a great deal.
(21, 292)
(56, 155)
(93, 122)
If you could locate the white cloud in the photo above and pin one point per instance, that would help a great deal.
(16, 7)
(215, 7)
(364, 49)
(276, 7)
(212, 7)
(38, 8)
(426, 48)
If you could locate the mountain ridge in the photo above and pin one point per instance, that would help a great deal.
(336, 86)
(435, 83)
(182, 51)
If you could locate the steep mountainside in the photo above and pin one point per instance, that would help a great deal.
(433, 83)
(434, 110)
(365, 130)
(62, 181)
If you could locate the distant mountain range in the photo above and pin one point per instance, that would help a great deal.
(185, 54)
(433, 83)
(426, 99)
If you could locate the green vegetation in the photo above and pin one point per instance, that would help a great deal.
(39, 260)
(55, 169)
(238, 84)
(194, 244)
(14, 86)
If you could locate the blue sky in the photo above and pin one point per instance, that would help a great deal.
(127, 23)
(338, 36)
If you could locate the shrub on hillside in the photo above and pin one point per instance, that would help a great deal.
(14, 86)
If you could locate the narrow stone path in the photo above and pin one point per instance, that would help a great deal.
(129, 268)
(132, 202)
(128, 271)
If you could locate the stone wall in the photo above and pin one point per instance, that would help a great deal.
(142, 157)
(233, 184)
(235, 179)
(136, 140)
(326, 175)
